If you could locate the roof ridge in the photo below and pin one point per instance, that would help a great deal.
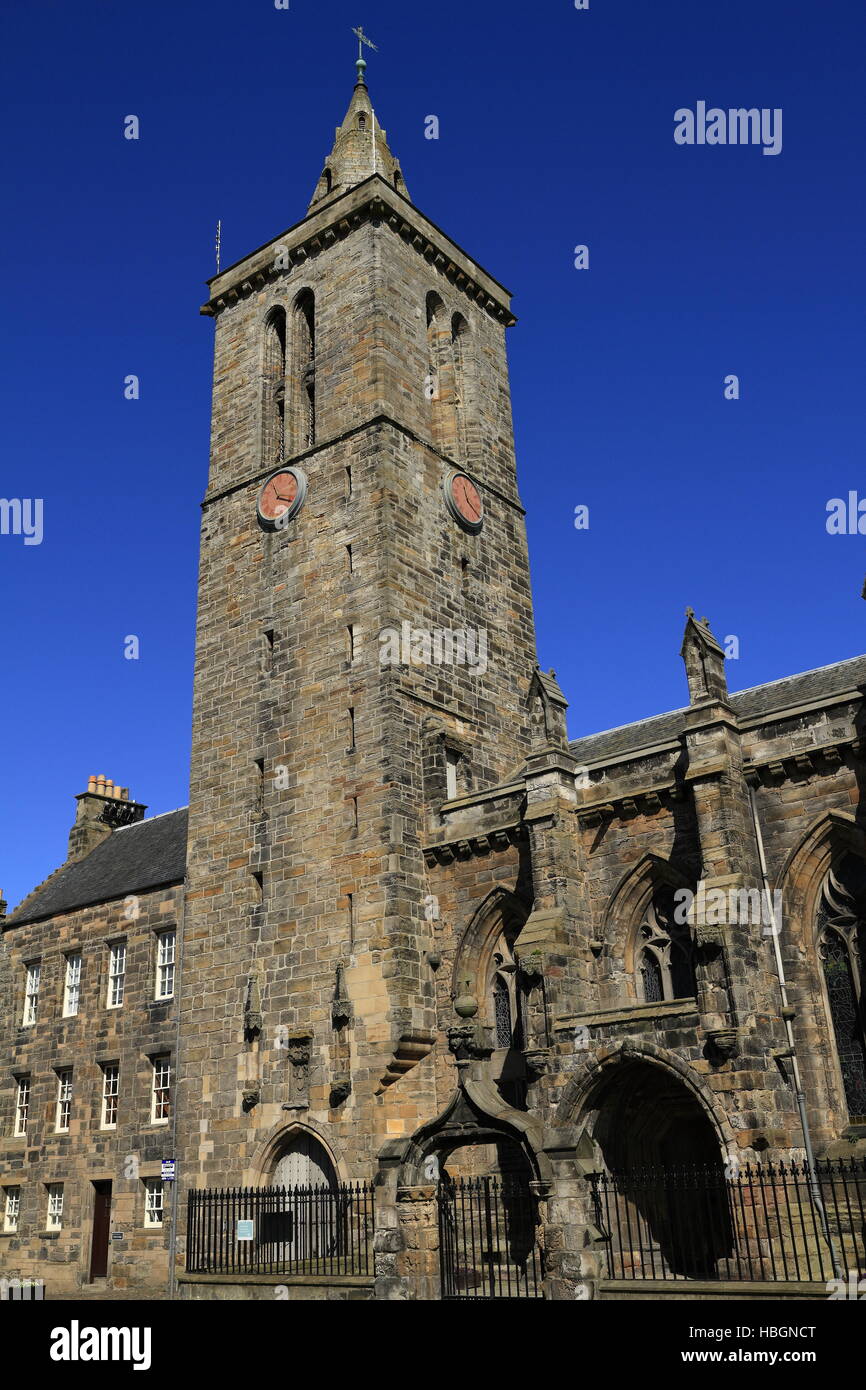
(734, 695)
(632, 723)
(136, 824)
(796, 675)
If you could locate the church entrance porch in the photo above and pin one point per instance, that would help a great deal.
(489, 1225)
(650, 1131)
(668, 1206)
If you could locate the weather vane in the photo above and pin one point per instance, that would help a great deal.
(362, 39)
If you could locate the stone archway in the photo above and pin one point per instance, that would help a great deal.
(660, 1191)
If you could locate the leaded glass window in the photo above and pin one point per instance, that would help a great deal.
(666, 968)
(504, 996)
(841, 917)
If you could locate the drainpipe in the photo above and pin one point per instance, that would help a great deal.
(172, 1238)
(791, 1052)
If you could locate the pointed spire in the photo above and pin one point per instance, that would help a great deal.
(704, 660)
(360, 149)
(547, 706)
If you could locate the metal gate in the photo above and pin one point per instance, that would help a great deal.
(488, 1239)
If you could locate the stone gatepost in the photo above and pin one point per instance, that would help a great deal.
(572, 1263)
(406, 1241)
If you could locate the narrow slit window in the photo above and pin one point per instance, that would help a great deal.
(452, 763)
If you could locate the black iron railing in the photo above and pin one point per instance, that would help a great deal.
(763, 1222)
(489, 1239)
(281, 1230)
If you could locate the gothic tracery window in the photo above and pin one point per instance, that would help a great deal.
(841, 929)
(664, 955)
(504, 1001)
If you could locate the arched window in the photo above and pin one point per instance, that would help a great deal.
(433, 384)
(664, 955)
(304, 369)
(440, 383)
(503, 996)
(329, 179)
(459, 354)
(398, 180)
(841, 940)
(274, 387)
(362, 121)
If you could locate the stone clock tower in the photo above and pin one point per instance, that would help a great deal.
(364, 653)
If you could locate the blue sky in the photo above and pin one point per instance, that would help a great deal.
(556, 129)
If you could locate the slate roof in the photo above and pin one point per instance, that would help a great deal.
(132, 859)
(756, 702)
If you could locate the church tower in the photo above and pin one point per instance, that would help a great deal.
(364, 651)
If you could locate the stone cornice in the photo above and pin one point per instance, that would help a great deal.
(824, 758)
(630, 1013)
(471, 843)
(375, 200)
(636, 801)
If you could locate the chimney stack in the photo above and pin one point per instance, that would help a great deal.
(101, 809)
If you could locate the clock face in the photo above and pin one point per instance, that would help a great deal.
(281, 498)
(464, 502)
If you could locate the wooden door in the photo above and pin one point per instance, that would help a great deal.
(101, 1230)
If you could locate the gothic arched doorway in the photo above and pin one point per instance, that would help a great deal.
(303, 1162)
(663, 1197)
(306, 1216)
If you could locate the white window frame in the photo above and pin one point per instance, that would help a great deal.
(11, 1209)
(31, 993)
(22, 1107)
(166, 949)
(72, 985)
(110, 1095)
(54, 1214)
(63, 1113)
(116, 974)
(154, 1203)
(160, 1096)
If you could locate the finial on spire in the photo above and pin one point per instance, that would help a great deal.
(360, 64)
